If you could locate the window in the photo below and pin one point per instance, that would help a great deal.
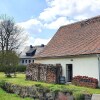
(33, 61)
(29, 61)
(26, 61)
(22, 61)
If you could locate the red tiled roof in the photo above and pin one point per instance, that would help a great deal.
(75, 39)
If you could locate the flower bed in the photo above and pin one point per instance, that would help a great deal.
(85, 81)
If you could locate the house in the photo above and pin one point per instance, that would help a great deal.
(27, 56)
(77, 48)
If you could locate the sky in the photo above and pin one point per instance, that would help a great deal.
(42, 18)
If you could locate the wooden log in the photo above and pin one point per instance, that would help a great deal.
(42, 72)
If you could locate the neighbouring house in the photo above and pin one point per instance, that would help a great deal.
(77, 48)
(27, 55)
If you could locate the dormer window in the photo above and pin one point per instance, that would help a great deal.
(31, 52)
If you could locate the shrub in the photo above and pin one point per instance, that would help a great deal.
(2, 82)
(79, 96)
(21, 68)
(1, 69)
(8, 68)
(85, 81)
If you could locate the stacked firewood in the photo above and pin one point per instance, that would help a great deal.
(32, 73)
(51, 75)
(43, 72)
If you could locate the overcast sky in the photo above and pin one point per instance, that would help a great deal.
(42, 18)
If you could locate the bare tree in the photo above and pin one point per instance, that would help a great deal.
(10, 34)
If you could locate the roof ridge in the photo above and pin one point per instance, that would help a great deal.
(82, 22)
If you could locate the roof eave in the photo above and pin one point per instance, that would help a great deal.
(66, 56)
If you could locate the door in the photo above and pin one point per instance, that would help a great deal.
(69, 72)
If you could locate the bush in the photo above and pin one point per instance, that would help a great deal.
(8, 70)
(2, 82)
(79, 96)
(21, 68)
(1, 69)
(85, 81)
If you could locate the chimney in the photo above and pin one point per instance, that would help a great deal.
(42, 45)
(31, 46)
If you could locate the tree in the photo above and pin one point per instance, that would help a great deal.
(10, 40)
(10, 63)
(10, 34)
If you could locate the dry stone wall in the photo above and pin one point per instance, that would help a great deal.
(38, 92)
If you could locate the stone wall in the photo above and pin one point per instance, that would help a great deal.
(39, 92)
(44, 72)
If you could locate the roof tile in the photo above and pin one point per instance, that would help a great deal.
(75, 39)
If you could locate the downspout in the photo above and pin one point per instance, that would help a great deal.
(98, 56)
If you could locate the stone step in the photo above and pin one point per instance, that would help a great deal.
(95, 97)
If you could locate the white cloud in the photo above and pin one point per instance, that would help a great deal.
(55, 7)
(70, 8)
(29, 23)
(36, 41)
(32, 26)
(39, 41)
(57, 23)
(55, 15)
(81, 17)
(58, 13)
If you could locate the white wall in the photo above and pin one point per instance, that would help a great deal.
(85, 66)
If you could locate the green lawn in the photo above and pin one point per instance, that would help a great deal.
(20, 79)
(7, 96)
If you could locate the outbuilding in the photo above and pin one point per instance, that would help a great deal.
(76, 47)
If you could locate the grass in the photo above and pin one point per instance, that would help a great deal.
(7, 96)
(20, 80)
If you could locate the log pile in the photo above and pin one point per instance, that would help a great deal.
(43, 72)
(51, 75)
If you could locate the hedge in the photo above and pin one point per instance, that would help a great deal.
(19, 68)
